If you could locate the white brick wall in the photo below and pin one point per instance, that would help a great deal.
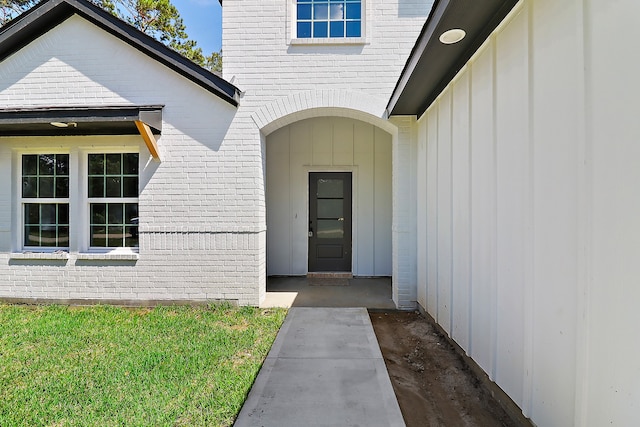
(200, 238)
(202, 209)
(285, 82)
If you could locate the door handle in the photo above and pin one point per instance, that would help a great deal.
(310, 233)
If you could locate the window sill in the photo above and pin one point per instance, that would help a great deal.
(40, 255)
(111, 256)
(329, 41)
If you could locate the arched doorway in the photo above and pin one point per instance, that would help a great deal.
(329, 197)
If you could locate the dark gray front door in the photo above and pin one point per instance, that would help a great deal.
(329, 221)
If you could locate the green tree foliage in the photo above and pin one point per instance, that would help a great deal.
(158, 18)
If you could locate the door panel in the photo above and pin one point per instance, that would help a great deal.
(329, 221)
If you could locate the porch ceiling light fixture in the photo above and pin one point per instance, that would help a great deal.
(452, 36)
(63, 124)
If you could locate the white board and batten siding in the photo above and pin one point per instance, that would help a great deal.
(326, 144)
(528, 207)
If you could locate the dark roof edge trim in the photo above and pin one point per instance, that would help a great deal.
(437, 12)
(51, 13)
(23, 119)
(488, 28)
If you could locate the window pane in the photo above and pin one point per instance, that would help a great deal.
(114, 188)
(114, 164)
(46, 164)
(98, 213)
(354, 11)
(304, 11)
(48, 213)
(337, 29)
(353, 28)
(330, 188)
(330, 208)
(63, 236)
(29, 164)
(96, 164)
(32, 213)
(330, 229)
(131, 237)
(30, 187)
(98, 236)
(63, 213)
(130, 186)
(62, 187)
(48, 235)
(320, 29)
(115, 236)
(320, 11)
(96, 186)
(304, 30)
(115, 213)
(130, 166)
(337, 11)
(45, 187)
(62, 164)
(131, 213)
(32, 235)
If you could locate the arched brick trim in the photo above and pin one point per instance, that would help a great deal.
(308, 104)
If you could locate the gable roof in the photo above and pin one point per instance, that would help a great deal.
(50, 13)
(432, 65)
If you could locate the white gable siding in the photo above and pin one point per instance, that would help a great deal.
(198, 234)
(528, 210)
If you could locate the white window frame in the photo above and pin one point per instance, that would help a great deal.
(292, 36)
(86, 201)
(22, 201)
(78, 200)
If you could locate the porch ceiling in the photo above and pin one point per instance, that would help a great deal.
(432, 64)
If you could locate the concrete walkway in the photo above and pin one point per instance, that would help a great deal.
(324, 369)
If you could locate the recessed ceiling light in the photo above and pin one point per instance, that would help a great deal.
(452, 36)
(63, 124)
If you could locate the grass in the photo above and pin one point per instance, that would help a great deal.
(113, 366)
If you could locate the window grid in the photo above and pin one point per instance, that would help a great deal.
(328, 18)
(46, 224)
(113, 200)
(45, 200)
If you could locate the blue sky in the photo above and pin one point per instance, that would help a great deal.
(203, 19)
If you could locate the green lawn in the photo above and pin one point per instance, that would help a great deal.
(108, 366)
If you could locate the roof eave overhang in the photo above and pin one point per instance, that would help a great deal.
(72, 121)
(48, 14)
(432, 65)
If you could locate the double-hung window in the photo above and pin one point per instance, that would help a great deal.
(107, 209)
(113, 200)
(45, 200)
(335, 19)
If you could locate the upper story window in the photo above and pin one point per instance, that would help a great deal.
(328, 18)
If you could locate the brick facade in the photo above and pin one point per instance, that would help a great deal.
(202, 207)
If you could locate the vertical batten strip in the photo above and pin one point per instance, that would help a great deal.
(529, 263)
(585, 212)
